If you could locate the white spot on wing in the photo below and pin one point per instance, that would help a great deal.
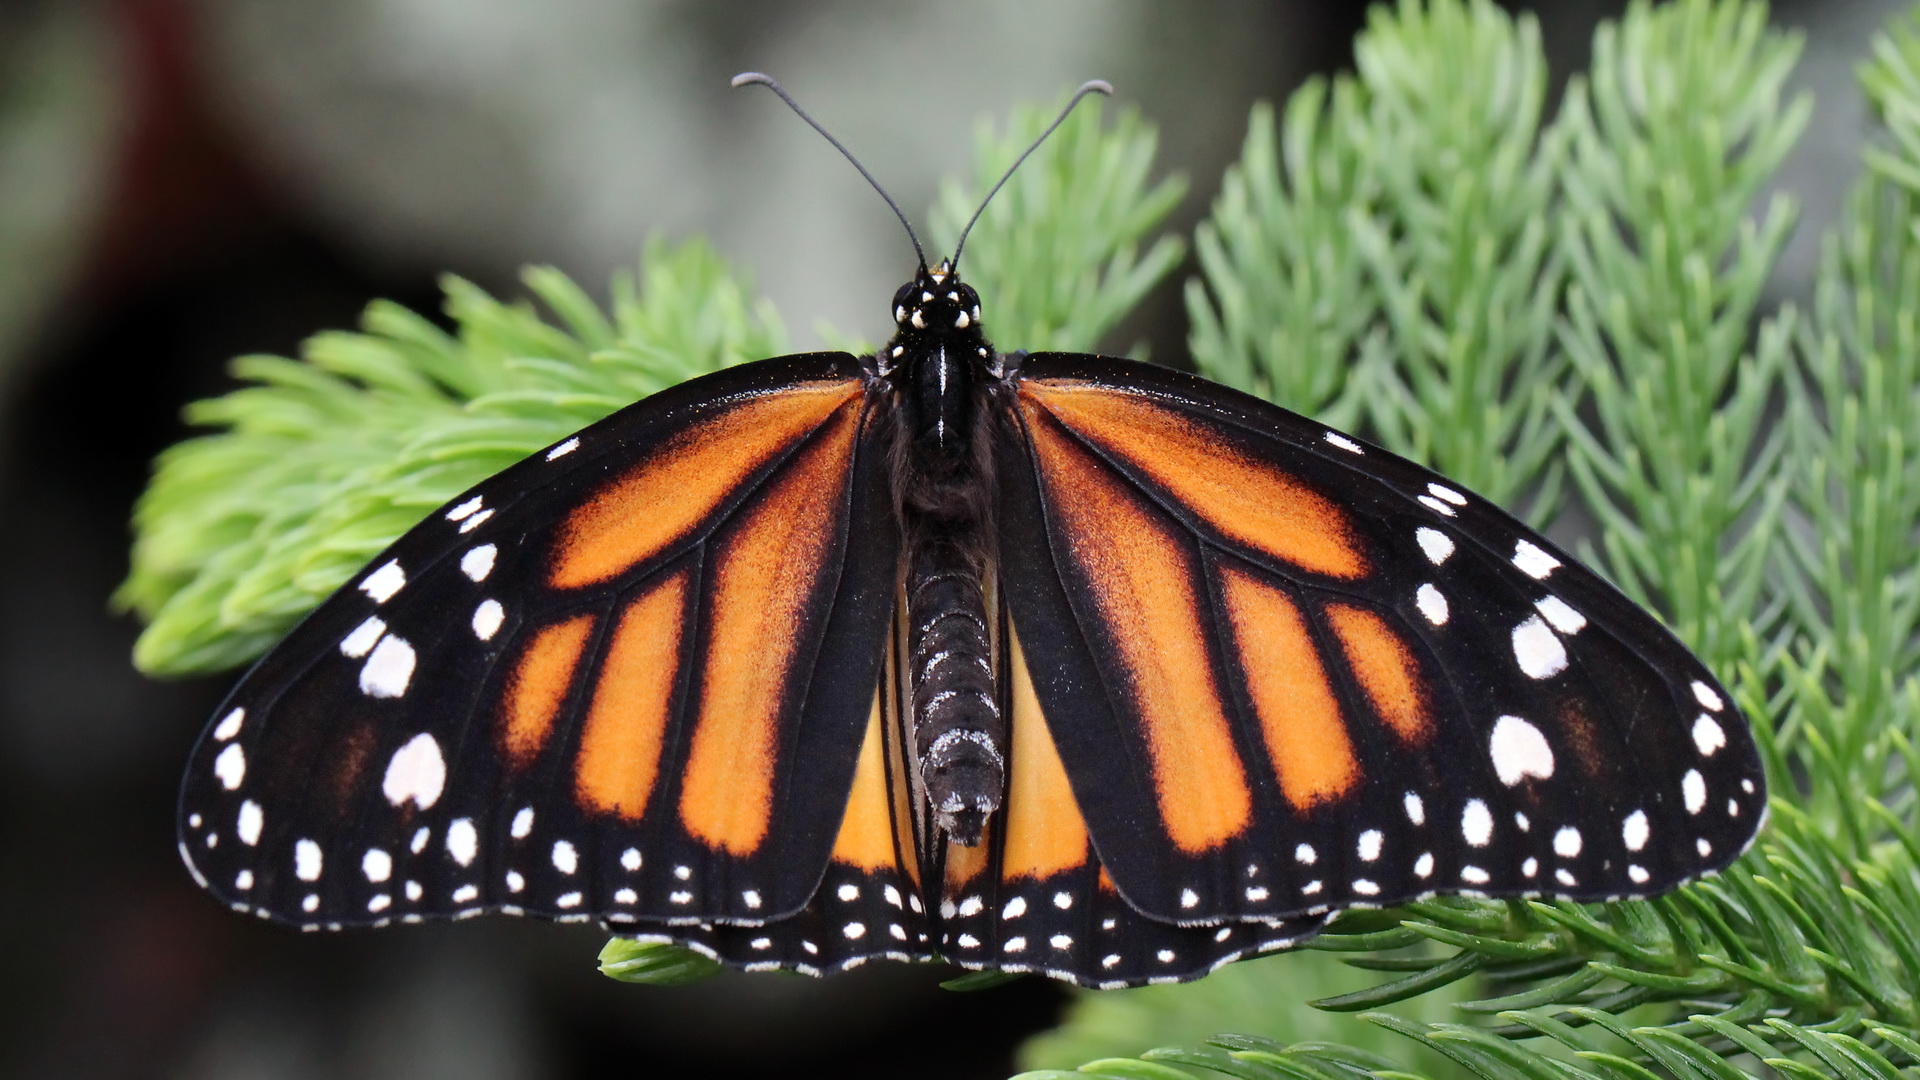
(417, 772)
(1566, 842)
(1473, 875)
(1561, 615)
(1565, 877)
(1532, 561)
(250, 824)
(1257, 893)
(565, 859)
(243, 880)
(1447, 493)
(465, 893)
(1638, 874)
(384, 582)
(854, 931)
(568, 900)
(1708, 735)
(475, 521)
(1635, 830)
(463, 841)
(1538, 649)
(1370, 843)
(1344, 443)
(388, 671)
(477, 563)
(514, 881)
(307, 860)
(487, 619)
(419, 842)
(1304, 855)
(1476, 823)
(361, 641)
(1015, 908)
(1423, 866)
(751, 898)
(1693, 788)
(1436, 505)
(1437, 545)
(625, 896)
(1433, 604)
(230, 725)
(1530, 868)
(1416, 809)
(379, 903)
(1519, 751)
(1365, 887)
(1189, 898)
(377, 865)
(563, 449)
(1703, 846)
(522, 823)
(1706, 696)
(630, 859)
(231, 766)
(460, 512)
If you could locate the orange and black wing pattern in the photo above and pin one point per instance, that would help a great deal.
(632, 678)
(1034, 895)
(1288, 673)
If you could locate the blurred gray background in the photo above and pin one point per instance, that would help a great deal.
(182, 181)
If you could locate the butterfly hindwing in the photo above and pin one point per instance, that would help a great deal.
(1288, 672)
(1033, 896)
(867, 906)
(626, 678)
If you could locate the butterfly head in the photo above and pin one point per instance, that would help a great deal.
(937, 302)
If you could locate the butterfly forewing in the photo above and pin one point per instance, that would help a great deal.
(1288, 672)
(627, 678)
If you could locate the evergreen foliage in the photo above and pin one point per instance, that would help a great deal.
(1417, 252)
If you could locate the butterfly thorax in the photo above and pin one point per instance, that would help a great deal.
(937, 370)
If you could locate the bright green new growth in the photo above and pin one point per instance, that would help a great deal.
(1428, 253)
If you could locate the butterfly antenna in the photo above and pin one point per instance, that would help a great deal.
(749, 78)
(1091, 86)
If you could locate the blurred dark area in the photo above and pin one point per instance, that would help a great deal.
(185, 181)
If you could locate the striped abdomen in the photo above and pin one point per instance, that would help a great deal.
(958, 731)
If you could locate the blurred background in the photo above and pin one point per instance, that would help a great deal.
(183, 181)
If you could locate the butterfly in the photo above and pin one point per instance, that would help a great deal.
(1045, 662)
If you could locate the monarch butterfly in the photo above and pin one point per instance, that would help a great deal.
(1039, 662)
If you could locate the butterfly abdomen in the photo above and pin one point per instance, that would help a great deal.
(958, 731)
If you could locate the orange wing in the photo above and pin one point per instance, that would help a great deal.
(1287, 673)
(1033, 896)
(627, 679)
